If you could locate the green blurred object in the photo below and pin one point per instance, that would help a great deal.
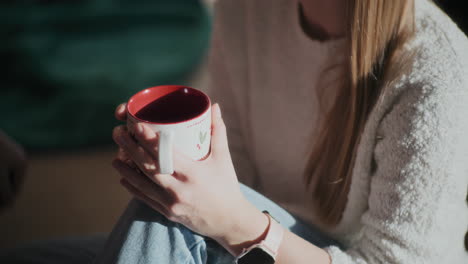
(67, 64)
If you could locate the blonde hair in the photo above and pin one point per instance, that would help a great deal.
(377, 29)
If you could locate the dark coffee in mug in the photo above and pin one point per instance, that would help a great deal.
(180, 105)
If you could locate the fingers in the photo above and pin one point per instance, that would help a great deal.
(122, 156)
(143, 184)
(219, 143)
(150, 140)
(145, 162)
(145, 199)
(121, 112)
(147, 138)
(142, 159)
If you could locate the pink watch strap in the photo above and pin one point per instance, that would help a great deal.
(273, 237)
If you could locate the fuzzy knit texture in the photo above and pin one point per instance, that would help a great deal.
(407, 201)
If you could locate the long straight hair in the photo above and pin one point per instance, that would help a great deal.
(377, 29)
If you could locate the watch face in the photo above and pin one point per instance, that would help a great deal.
(256, 256)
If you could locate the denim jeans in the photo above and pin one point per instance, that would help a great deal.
(143, 236)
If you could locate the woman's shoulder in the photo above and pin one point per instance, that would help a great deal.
(433, 63)
(439, 47)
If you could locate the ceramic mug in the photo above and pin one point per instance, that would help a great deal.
(181, 116)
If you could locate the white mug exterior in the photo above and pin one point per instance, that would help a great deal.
(191, 137)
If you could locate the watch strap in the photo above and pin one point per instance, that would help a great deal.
(274, 235)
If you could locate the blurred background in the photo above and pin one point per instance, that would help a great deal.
(65, 66)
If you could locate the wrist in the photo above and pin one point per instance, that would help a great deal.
(247, 227)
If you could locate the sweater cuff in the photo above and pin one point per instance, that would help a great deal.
(338, 256)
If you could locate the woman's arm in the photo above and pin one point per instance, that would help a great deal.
(203, 195)
(293, 249)
(416, 200)
(416, 208)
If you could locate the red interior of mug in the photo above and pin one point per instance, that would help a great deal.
(149, 95)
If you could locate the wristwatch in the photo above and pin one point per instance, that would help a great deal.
(264, 252)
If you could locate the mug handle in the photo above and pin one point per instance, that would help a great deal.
(166, 165)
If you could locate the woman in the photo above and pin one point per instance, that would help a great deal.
(365, 99)
(348, 114)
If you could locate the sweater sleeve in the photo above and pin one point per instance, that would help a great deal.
(221, 91)
(418, 185)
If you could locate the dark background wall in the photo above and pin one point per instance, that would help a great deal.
(455, 9)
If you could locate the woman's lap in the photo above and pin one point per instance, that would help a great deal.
(142, 235)
(140, 227)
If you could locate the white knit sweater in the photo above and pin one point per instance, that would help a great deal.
(407, 201)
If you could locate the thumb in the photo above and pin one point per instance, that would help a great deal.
(219, 143)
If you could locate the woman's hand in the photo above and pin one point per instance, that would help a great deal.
(202, 195)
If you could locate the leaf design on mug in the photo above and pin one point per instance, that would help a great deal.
(202, 136)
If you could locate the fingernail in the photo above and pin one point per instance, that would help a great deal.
(140, 128)
(218, 111)
(121, 108)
